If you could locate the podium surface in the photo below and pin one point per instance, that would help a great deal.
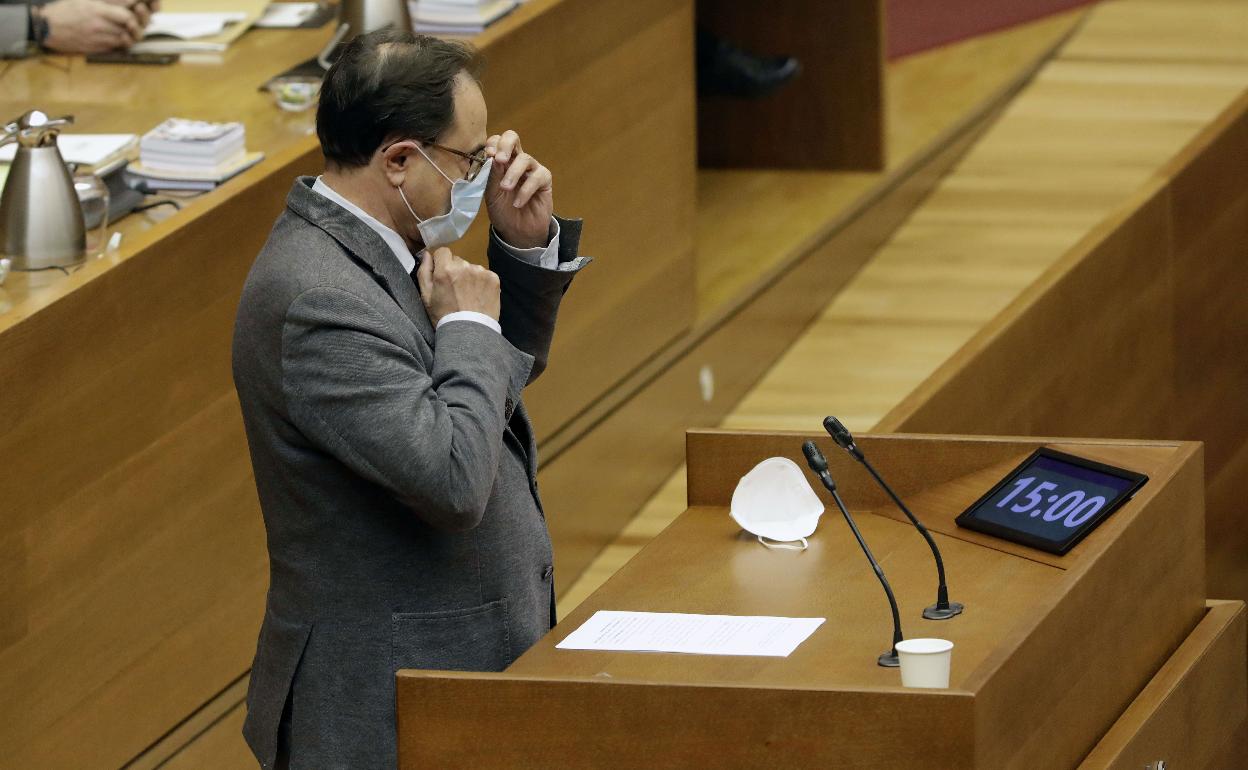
(1050, 651)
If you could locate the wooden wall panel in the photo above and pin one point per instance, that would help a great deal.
(1099, 319)
(1209, 219)
(830, 117)
(1140, 331)
(1231, 756)
(133, 352)
(142, 540)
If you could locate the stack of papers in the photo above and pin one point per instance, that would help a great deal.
(192, 155)
(609, 630)
(97, 152)
(197, 26)
(287, 15)
(457, 17)
(188, 26)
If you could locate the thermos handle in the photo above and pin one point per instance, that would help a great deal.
(38, 124)
(8, 133)
(50, 129)
(68, 120)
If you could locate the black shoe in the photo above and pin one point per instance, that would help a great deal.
(726, 70)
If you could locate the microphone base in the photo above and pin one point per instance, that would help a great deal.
(889, 659)
(936, 612)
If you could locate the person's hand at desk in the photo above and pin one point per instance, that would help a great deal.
(520, 196)
(93, 26)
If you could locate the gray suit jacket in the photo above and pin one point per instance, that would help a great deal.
(14, 29)
(397, 478)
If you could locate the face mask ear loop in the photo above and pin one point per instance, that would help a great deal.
(435, 166)
(773, 544)
(409, 206)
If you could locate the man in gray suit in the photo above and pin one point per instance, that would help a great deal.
(394, 460)
(71, 26)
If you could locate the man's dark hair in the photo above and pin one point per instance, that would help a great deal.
(387, 86)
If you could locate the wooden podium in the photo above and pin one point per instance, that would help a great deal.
(1105, 653)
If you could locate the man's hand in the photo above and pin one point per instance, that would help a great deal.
(520, 195)
(93, 26)
(449, 284)
(142, 10)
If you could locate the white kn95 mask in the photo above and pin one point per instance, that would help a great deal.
(775, 502)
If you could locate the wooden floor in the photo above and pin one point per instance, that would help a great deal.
(1135, 83)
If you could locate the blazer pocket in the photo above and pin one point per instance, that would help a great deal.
(468, 639)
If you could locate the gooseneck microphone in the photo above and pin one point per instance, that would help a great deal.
(819, 464)
(943, 609)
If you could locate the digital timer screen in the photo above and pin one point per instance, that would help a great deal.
(1052, 500)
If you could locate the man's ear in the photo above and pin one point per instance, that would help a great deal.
(396, 160)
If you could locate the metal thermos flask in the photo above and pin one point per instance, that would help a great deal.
(369, 15)
(41, 221)
(357, 17)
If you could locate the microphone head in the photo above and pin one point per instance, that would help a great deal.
(814, 458)
(839, 433)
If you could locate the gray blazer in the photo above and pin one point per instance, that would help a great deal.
(14, 29)
(397, 478)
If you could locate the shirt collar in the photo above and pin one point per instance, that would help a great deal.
(392, 239)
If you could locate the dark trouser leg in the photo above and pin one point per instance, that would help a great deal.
(725, 69)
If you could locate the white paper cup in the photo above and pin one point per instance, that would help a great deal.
(925, 662)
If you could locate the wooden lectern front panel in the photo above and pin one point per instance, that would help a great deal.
(598, 724)
(1193, 711)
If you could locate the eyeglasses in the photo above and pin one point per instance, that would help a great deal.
(475, 161)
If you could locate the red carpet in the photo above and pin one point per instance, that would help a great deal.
(917, 25)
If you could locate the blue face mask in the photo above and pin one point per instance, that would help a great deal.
(465, 203)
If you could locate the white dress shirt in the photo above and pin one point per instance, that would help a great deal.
(542, 256)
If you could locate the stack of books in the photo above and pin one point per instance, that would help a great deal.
(192, 155)
(457, 17)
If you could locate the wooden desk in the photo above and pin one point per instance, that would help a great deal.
(1130, 593)
(132, 549)
(119, 98)
(608, 107)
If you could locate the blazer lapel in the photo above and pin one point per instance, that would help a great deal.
(365, 245)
